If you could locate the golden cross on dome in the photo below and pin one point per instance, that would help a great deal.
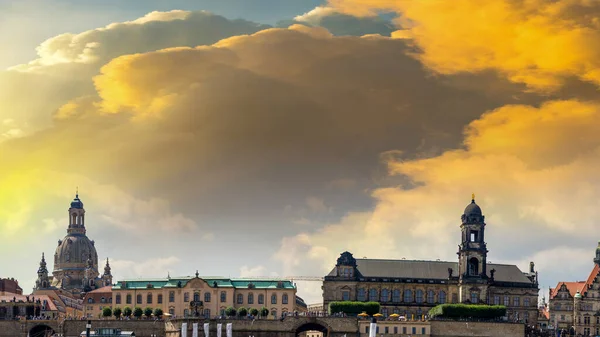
(473, 196)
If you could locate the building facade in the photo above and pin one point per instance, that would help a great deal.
(411, 287)
(96, 300)
(208, 297)
(75, 260)
(576, 305)
(10, 286)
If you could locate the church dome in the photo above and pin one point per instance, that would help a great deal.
(77, 203)
(473, 209)
(75, 249)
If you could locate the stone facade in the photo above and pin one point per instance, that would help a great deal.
(10, 286)
(411, 288)
(576, 305)
(208, 297)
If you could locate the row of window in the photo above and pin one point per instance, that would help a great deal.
(405, 330)
(419, 297)
(395, 296)
(261, 299)
(516, 301)
(102, 300)
(207, 298)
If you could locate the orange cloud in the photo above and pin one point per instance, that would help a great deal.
(540, 43)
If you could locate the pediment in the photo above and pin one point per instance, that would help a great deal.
(197, 283)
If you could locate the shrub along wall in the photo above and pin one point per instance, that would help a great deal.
(468, 311)
(354, 308)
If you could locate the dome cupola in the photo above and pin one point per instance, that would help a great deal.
(472, 213)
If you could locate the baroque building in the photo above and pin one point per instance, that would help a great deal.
(412, 287)
(576, 305)
(75, 260)
(205, 296)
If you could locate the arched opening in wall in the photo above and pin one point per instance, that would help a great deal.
(41, 330)
(473, 266)
(312, 330)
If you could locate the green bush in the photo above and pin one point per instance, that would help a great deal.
(117, 313)
(138, 312)
(230, 312)
(158, 312)
(264, 312)
(127, 312)
(354, 308)
(106, 312)
(148, 312)
(468, 311)
(254, 312)
(242, 312)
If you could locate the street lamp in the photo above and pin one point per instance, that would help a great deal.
(88, 327)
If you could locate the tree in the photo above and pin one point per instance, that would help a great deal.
(106, 312)
(158, 312)
(264, 312)
(138, 312)
(148, 312)
(117, 313)
(354, 308)
(242, 312)
(230, 312)
(254, 312)
(127, 312)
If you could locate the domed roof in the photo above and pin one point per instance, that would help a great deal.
(75, 249)
(473, 208)
(76, 203)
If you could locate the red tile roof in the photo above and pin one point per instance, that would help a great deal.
(572, 287)
(581, 286)
(51, 305)
(590, 279)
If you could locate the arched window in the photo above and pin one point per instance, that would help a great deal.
(90, 300)
(473, 266)
(240, 299)
(118, 299)
(207, 297)
(396, 296)
(103, 300)
(171, 297)
(408, 296)
(197, 297)
(419, 296)
(430, 296)
(128, 298)
(361, 296)
(384, 312)
(385, 295)
(274, 299)
(261, 299)
(139, 299)
(373, 295)
(274, 312)
(442, 297)
(284, 299)
(250, 298)
(149, 299)
(223, 296)
(186, 297)
(159, 298)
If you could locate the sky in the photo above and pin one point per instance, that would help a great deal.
(264, 138)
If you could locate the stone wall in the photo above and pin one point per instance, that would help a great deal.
(478, 329)
(142, 328)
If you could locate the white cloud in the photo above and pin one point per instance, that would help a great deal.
(151, 268)
(257, 271)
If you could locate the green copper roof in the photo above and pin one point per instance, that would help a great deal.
(175, 282)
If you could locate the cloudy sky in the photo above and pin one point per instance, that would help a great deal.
(265, 137)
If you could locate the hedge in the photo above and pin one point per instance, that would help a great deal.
(468, 311)
(354, 308)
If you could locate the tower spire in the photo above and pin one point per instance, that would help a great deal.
(472, 197)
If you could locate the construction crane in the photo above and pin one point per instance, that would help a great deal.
(287, 278)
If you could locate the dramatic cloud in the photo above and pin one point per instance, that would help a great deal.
(342, 24)
(541, 43)
(535, 170)
(30, 93)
